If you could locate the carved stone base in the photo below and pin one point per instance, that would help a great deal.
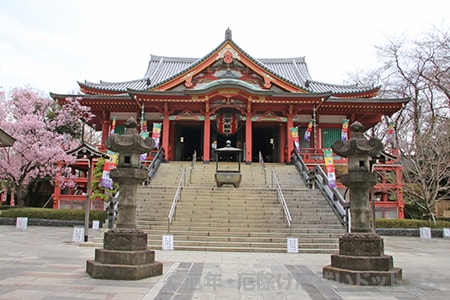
(124, 257)
(361, 261)
(374, 278)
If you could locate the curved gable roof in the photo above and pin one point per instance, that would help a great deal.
(162, 70)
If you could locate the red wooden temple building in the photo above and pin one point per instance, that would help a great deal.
(230, 95)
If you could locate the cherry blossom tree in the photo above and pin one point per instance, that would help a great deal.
(44, 130)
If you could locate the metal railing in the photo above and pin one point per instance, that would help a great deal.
(154, 165)
(263, 167)
(191, 169)
(316, 178)
(176, 198)
(280, 196)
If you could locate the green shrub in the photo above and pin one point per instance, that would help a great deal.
(53, 214)
(409, 223)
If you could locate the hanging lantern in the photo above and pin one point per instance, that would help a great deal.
(227, 123)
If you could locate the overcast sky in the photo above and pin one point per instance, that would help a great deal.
(52, 44)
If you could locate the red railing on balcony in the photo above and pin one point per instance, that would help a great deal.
(315, 156)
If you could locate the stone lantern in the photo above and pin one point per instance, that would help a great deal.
(361, 259)
(125, 255)
(128, 173)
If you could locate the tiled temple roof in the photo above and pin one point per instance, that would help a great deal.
(162, 69)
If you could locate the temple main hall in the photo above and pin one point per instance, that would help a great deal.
(192, 106)
(227, 94)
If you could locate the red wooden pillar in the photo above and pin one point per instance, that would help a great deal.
(290, 141)
(165, 137)
(57, 188)
(248, 138)
(206, 138)
(283, 157)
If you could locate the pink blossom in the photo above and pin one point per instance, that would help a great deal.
(33, 120)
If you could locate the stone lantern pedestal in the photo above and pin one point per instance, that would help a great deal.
(361, 259)
(124, 255)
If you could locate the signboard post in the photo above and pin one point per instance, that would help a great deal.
(22, 223)
(167, 242)
(95, 225)
(425, 232)
(78, 234)
(292, 245)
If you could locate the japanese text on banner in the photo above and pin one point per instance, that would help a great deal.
(329, 165)
(308, 131)
(344, 135)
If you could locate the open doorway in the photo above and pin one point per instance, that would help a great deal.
(188, 138)
(265, 140)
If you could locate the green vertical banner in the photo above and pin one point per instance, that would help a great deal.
(156, 133)
(294, 133)
(329, 165)
(344, 136)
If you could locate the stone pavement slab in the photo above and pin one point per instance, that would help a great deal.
(43, 263)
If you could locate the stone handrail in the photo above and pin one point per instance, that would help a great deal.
(280, 196)
(176, 198)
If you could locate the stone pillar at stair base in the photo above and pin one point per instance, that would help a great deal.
(125, 255)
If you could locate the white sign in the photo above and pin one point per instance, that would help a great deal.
(22, 223)
(167, 242)
(425, 232)
(292, 245)
(446, 232)
(95, 225)
(78, 234)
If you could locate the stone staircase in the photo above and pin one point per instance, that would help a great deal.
(248, 218)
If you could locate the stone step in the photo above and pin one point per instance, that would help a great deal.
(248, 218)
(207, 231)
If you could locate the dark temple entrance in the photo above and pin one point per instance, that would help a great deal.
(266, 140)
(188, 138)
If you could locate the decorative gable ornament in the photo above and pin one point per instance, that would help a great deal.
(228, 54)
(228, 57)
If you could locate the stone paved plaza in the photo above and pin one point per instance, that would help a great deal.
(44, 263)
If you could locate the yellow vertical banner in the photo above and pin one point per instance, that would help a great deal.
(294, 133)
(308, 131)
(344, 135)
